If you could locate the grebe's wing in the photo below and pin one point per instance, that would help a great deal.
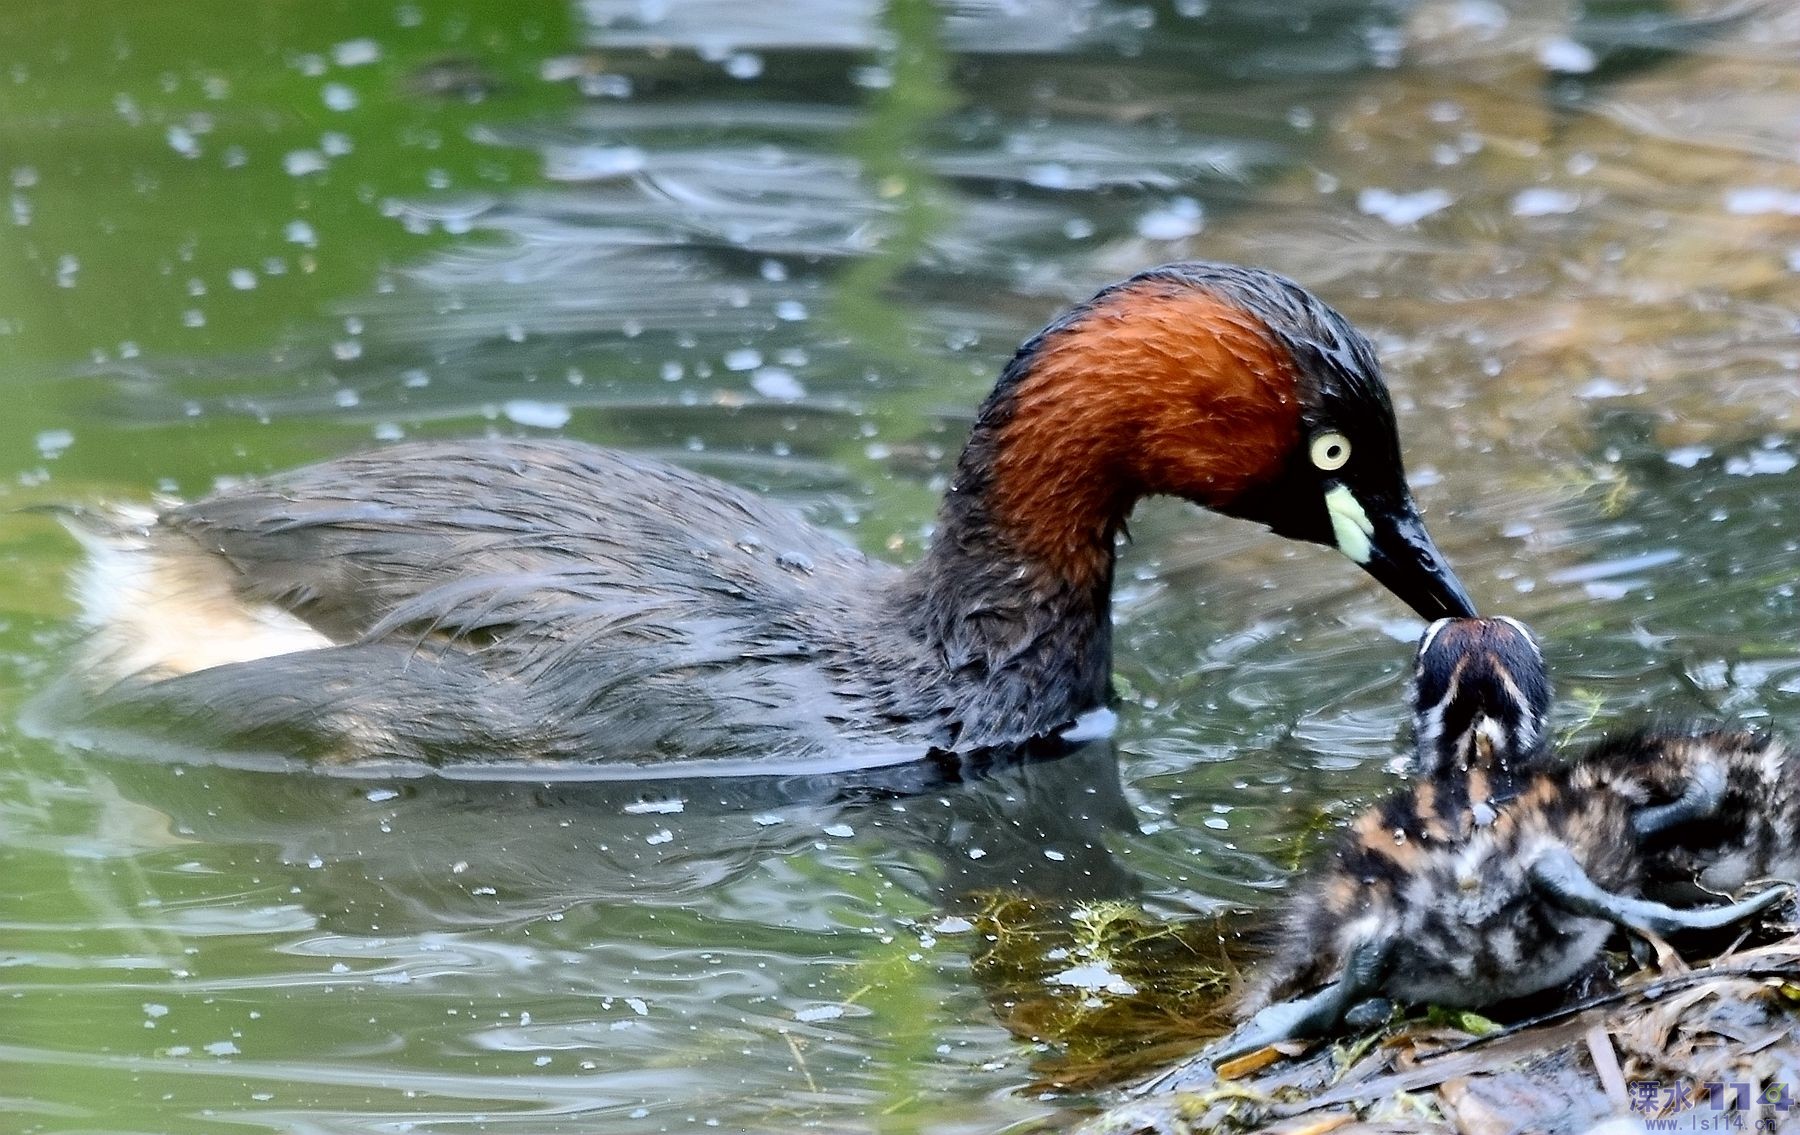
(419, 538)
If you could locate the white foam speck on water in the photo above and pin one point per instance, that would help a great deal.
(530, 412)
(1402, 209)
(663, 836)
(655, 807)
(183, 142)
(1566, 57)
(872, 77)
(768, 820)
(638, 1006)
(299, 163)
(1180, 218)
(820, 1013)
(1762, 462)
(1606, 388)
(337, 96)
(51, 443)
(378, 795)
(242, 279)
(1094, 977)
(1402, 629)
(299, 232)
(1687, 456)
(1759, 200)
(221, 1048)
(1050, 175)
(841, 831)
(743, 358)
(1542, 202)
(952, 925)
(591, 163)
(562, 68)
(1614, 568)
(356, 52)
(778, 383)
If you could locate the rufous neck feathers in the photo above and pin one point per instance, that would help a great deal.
(1157, 387)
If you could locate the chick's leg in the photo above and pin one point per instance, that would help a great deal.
(1700, 799)
(1315, 1014)
(1562, 881)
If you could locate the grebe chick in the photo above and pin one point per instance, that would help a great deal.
(547, 600)
(1497, 875)
(1714, 809)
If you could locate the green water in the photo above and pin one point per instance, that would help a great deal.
(791, 244)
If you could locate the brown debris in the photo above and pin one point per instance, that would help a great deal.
(1728, 1023)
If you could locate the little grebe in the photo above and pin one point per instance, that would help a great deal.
(1716, 809)
(1500, 874)
(505, 600)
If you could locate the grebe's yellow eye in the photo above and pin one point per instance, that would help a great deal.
(1330, 451)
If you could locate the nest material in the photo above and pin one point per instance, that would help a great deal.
(1729, 1023)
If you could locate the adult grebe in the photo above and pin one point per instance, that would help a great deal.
(551, 601)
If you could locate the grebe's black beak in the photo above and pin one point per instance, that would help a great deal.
(1376, 525)
(1403, 558)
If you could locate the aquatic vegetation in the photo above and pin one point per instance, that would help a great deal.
(1103, 990)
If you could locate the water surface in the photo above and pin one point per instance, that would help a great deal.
(791, 245)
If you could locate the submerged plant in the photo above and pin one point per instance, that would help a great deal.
(1104, 989)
